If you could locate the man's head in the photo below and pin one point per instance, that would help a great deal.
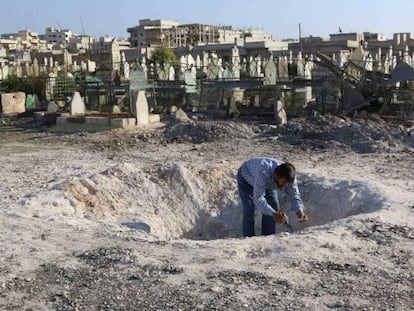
(284, 174)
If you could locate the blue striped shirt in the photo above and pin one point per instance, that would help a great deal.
(258, 173)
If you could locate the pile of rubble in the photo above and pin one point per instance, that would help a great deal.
(207, 131)
(359, 135)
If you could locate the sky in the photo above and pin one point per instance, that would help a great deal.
(280, 18)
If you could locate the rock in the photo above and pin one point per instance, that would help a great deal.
(173, 110)
(116, 109)
(52, 107)
(182, 116)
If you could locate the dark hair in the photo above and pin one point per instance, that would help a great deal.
(287, 171)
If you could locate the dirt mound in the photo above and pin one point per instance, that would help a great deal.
(207, 131)
(359, 135)
(173, 201)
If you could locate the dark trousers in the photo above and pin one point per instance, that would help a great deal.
(246, 197)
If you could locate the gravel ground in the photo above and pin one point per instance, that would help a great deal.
(60, 261)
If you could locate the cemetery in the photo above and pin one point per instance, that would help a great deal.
(120, 161)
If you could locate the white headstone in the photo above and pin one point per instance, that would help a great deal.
(198, 62)
(126, 70)
(91, 66)
(190, 61)
(77, 106)
(252, 67)
(280, 113)
(283, 71)
(308, 70)
(5, 71)
(235, 61)
(183, 63)
(270, 72)
(141, 109)
(13, 103)
(369, 63)
(171, 73)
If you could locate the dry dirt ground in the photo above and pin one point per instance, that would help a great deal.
(149, 219)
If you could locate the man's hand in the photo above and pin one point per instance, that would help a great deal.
(302, 217)
(280, 218)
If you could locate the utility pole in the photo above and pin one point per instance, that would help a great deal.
(300, 37)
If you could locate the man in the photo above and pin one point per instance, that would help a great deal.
(258, 180)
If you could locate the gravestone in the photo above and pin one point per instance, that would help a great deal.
(18, 70)
(171, 74)
(126, 70)
(220, 68)
(180, 115)
(205, 62)
(235, 62)
(67, 58)
(198, 62)
(387, 65)
(32, 101)
(77, 106)
(212, 70)
(308, 70)
(258, 61)
(183, 63)
(137, 80)
(190, 82)
(252, 67)
(115, 56)
(369, 63)
(83, 66)
(243, 68)
(52, 107)
(141, 109)
(91, 66)
(5, 71)
(270, 72)
(283, 71)
(13, 103)
(280, 113)
(233, 111)
(227, 74)
(116, 109)
(190, 61)
(301, 66)
(256, 101)
(36, 69)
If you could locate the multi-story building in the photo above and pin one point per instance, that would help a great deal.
(58, 36)
(81, 43)
(150, 33)
(105, 45)
(334, 45)
(23, 39)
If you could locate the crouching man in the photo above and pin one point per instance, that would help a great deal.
(258, 179)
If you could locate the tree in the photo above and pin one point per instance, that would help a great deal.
(163, 54)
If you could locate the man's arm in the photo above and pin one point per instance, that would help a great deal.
(292, 191)
(259, 193)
